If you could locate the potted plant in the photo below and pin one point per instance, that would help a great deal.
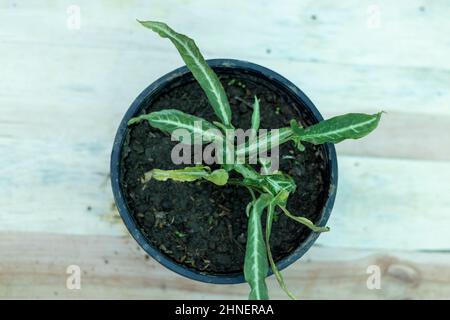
(212, 208)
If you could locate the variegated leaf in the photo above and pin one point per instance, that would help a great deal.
(189, 174)
(337, 129)
(202, 72)
(256, 265)
(169, 120)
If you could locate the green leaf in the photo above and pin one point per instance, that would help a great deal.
(276, 183)
(189, 174)
(247, 171)
(218, 177)
(169, 120)
(265, 165)
(266, 142)
(304, 221)
(273, 184)
(337, 129)
(255, 115)
(221, 126)
(202, 72)
(276, 272)
(248, 208)
(256, 265)
(300, 146)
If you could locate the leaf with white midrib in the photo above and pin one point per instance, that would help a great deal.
(256, 264)
(337, 129)
(169, 120)
(266, 142)
(202, 72)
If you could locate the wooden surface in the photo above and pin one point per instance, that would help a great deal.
(63, 92)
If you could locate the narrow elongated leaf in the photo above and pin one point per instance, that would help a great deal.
(276, 272)
(189, 174)
(337, 129)
(202, 72)
(169, 120)
(255, 115)
(256, 265)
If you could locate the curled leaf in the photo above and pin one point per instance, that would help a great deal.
(188, 174)
(276, 183)
(304, 221)
(276, 272)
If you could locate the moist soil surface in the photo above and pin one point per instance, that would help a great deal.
(201, 225)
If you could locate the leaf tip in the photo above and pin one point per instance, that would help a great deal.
(378, 116)
(134, 120)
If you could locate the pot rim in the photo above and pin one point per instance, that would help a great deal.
(132, 225)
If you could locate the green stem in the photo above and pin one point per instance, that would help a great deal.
(304, 221)
(276, 272)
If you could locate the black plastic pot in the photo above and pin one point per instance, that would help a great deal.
(149, 94)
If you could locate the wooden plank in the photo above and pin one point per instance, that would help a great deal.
(63, 58)
(323, 31)
(383, 68)
(381, 203)
(34, 266)
(64, 92)
(390, 203)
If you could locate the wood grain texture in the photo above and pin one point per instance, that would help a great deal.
(381, 202)
(114, 267)
(63, 93)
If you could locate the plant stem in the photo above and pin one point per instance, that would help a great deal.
(276, 272)
(304, 221)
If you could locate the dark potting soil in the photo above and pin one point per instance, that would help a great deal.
(199, 224)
